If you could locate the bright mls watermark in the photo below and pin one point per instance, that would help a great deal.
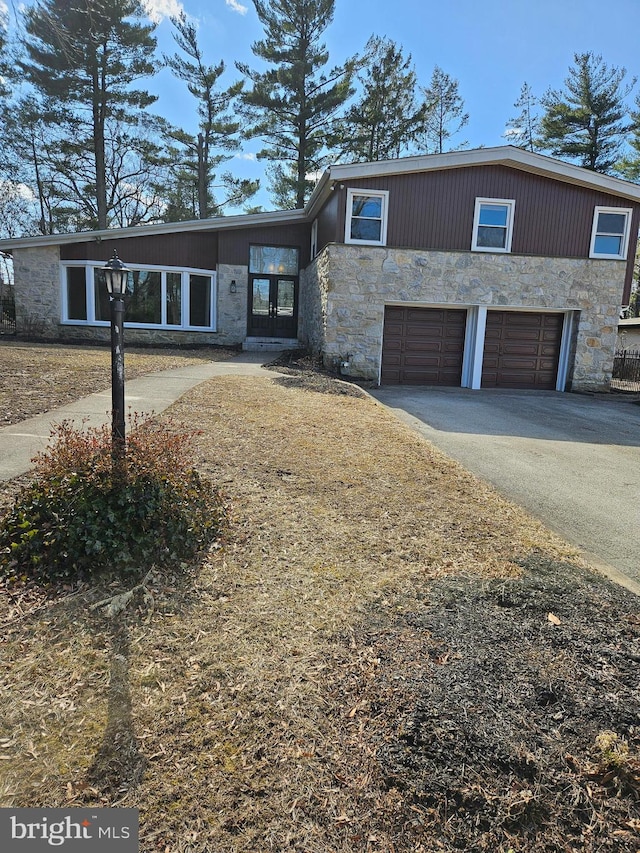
(70, 830)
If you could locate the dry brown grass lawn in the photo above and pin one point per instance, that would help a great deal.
(288, 693)
(35, 378)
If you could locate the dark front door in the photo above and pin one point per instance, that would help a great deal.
(273, 306)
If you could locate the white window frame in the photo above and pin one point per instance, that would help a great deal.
(510, 204)
(627, 211)
(92, 266)
(314, 239)
(382, 194)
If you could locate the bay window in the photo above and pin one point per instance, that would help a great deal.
(156, 297)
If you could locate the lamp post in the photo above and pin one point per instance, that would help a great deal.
(116, 274)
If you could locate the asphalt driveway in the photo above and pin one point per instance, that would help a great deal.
(573, 461)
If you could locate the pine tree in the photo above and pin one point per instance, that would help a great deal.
(629, 165)
(587, 120)
(218, 129)
(4, 64)
(293, 105)
(84, 58)
(445, 115)
(387, 119)
(523, 130)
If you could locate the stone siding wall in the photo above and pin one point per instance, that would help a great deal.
(37, 293)
(38, 309)
(232, 307)
(360, 280)
(312, 308)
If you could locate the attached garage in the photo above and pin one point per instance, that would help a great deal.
(423, 346)
(522, 350)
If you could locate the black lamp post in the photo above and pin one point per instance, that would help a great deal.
(116, 275)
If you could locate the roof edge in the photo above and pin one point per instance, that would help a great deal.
(221, 223)
(507, 155)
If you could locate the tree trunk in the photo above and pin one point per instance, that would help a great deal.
(203, 201)
(99, 154)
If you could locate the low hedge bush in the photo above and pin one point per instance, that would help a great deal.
(83, 517)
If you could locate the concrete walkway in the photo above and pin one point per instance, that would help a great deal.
(153, 392)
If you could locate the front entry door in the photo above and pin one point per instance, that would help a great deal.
(273, 306)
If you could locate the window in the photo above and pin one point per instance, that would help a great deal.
(314, 239)
(493, 225)
(367, 217)
(164, 298)
(610, 233)
(273, 260)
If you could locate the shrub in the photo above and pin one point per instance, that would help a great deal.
(81, 517)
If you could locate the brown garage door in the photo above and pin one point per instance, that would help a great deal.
(423, 346)
(521, 350)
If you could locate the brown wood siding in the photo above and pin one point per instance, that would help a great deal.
(328, 220)
(423, 346)
(199, 250)
(234, 245)
(521, 350)
(434, 210)
(628, 279)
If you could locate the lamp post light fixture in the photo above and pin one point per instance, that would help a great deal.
(116, 275)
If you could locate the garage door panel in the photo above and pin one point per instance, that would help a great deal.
(522, 350)
(429, 346)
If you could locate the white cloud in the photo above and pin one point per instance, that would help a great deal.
(247, 156)
(157, 10)
(4, 9)
(237, 7)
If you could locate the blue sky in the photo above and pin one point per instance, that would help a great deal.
(490, 47)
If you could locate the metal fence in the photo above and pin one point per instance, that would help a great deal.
(7, 316)
(626, 371)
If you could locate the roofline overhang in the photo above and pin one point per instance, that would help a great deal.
(221, 223)
(504, 155)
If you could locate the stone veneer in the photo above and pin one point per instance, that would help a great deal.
(38, 309)
(353, 283)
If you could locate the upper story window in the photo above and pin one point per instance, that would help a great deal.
(314, 239)
(493, 225)
(610, 233)
(367, 217)
(166, 298)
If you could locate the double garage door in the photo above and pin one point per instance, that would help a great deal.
(425, 346)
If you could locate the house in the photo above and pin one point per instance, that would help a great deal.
(629, 334)
(494, 267)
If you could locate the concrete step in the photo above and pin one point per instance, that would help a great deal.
(270, 344)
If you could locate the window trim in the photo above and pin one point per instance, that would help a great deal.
(384, 195)
(628, 212)
(314, 239)
(186, 272)
(510, 204)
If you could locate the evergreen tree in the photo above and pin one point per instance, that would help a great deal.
(587, 120)
(218, 130)
(84, 58)
(629, 165)
(523, 130)
(293, 105)
(445, 115)
(4, 64)
(387, 119)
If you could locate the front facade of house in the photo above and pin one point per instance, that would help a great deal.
(488, 268)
